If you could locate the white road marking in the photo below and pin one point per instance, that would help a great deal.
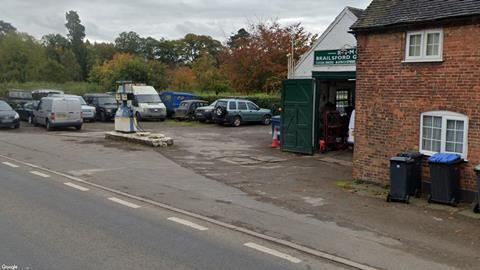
(10, 164)
(76, 186)
(272, 252)
(188, 223)
(40, 174)
(129, 204)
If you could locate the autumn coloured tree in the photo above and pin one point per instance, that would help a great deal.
(256, 60)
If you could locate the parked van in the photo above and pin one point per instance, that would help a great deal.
(54, 112)
(147, 103)
(172, 100)
(88, 112)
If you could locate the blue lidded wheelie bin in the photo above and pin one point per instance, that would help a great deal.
(445, 175)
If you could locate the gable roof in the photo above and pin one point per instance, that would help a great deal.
(356, 12)
(383, 13)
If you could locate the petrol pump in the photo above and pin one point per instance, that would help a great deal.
(125, 120)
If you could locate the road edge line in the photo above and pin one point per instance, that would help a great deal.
(285, 243)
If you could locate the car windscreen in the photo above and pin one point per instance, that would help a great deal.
(148, 98)
(4, 106)
(82, 101)
(213, 104)
(107, 101)
(221, 104)
(183, 105)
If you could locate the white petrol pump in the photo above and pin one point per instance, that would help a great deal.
(125, 120)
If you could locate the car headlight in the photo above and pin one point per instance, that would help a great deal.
(109, 110)
(16, 116)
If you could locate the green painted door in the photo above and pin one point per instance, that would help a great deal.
(299, 103)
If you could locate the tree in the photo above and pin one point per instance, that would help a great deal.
(76, 35)
(182, 79)
(129, 67)
(55, 45)
(208, 75)
(192, 46)
(21, 58)
(6, 27)
(257, 60)
(129, 42)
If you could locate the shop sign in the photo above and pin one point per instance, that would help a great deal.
(335, 57)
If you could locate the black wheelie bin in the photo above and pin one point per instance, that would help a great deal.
(445, 175)
(416, 180)
(401, 171)
(476, 206)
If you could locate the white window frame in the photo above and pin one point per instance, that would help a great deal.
(423, 47)
(445, 115)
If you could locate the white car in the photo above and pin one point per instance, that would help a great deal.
(351, 128)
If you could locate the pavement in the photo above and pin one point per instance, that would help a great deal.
(226, 174)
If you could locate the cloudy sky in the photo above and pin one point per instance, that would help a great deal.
(170, 19)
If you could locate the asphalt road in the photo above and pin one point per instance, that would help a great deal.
(47, 222)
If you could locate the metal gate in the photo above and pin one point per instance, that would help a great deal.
(299, 104)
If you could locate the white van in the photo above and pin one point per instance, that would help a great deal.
(54, 112)
(88, 112)
(147, 103)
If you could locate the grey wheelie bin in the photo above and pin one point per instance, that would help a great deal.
(401, 171)
(416, 180)
(476, 206)
(444, 174)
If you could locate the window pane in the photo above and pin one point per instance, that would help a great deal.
(450, 124)
(433, 44)
(427, 121)
(436, 146)
(437, 134)
(459, 148)
(450, 136)
(459, 138)
(427, 144)
(232, 105)
(437, 122)
(242, 106)
(415, 45)
(450, 147)
(460, 125)
(427, 133)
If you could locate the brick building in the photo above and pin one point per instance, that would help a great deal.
(418, 85)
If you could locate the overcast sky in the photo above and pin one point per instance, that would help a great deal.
(172, 19)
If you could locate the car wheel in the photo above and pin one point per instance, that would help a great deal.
(162, 119)
(103, 117)
(267, 120)
(202, 121)
(237, 121)
(48, 126)
(78, 127)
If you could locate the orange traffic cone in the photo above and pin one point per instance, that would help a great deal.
(275, 142)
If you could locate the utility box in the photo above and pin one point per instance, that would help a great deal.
(445, 175)
(401, 172)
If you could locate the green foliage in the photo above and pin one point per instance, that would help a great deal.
(76, 35)
(131, 68)
(129, 42)
(208, 75)
(6, 27)
(21, 58)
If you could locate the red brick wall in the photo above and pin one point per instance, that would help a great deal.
(391, 95)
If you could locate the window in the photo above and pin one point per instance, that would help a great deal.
(242, 106)
(443, 131)
(342, 99)
(252, 106)
(232, 105)
(424, 46)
